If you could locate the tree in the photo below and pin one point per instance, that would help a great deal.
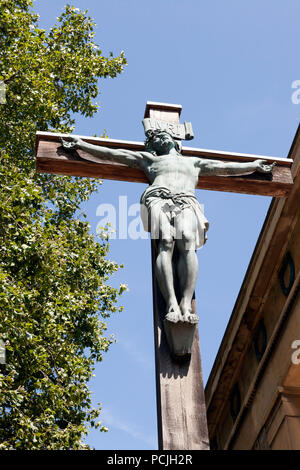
(54, 291)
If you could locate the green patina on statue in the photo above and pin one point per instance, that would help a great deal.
(169, 207)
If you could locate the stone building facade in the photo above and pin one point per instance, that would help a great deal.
(253, 392)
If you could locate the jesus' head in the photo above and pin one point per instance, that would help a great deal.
(160, 142)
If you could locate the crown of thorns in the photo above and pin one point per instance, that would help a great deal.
(150, 134)
(153, 132)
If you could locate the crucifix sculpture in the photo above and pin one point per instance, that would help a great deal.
(173, 216)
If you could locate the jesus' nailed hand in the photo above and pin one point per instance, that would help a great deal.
(170, 210)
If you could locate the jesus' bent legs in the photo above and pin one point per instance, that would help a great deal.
(184, 236)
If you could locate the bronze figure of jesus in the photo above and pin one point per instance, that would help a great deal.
(169, 208)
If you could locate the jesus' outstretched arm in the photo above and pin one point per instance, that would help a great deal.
(96, 153)
(214, 167)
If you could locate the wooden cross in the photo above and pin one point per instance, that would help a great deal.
(181, 410)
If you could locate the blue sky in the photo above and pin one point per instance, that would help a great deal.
(231, 66)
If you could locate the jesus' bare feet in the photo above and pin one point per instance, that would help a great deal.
(174, 314)
(192, 317)
(188, 315)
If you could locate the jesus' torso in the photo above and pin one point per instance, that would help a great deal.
(174, 172)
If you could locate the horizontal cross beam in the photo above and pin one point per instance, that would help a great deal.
(52, 158)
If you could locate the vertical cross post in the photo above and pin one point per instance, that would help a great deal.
(181, 410)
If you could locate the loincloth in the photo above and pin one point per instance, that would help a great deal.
(159, 199)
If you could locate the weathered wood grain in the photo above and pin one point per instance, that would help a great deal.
(52, 158)
(181, 409)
